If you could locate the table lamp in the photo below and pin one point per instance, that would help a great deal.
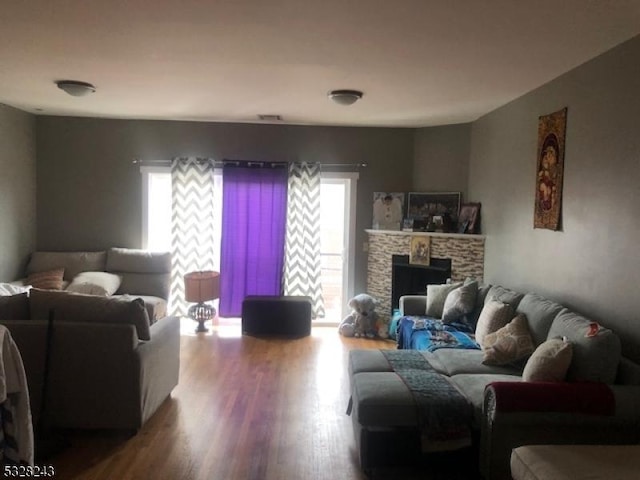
(201, 287)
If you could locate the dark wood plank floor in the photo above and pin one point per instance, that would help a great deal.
(245, 408)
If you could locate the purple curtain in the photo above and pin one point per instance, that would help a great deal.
(254, 212)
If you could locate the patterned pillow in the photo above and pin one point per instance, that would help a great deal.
(49, 280)
(508, 344)
(550, 362)
(460, 302)
(436, 296)
(493, 317)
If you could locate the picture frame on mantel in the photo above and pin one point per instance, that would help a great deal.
(388, 210)
(469, 218)
(423, 206)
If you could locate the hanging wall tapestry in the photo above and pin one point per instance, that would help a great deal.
(551, 136)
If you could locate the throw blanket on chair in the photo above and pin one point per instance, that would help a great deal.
(444, 413)
(16, 430)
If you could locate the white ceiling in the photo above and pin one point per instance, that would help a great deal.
(418, 62)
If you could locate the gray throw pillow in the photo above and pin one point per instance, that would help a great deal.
(436, 296)
(460, 302)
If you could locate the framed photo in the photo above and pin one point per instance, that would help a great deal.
(469, 218)
(420, 251)
(388, 210)
(438, 223)
(407, 225)
(426, 205)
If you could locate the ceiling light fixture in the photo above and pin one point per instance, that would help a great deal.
(345, 97)
(75, 88)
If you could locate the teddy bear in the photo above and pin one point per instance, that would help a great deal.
(363, 321)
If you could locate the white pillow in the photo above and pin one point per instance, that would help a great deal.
(550, 362)
(103, 284)
(12, 289)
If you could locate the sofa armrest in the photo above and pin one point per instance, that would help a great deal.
(523, 413)
(588, 398)
(159, 363)
(413, 304)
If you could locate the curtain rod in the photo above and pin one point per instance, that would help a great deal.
(220, 163)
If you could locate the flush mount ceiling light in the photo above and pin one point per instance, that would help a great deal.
(345, 97)
(75, 88)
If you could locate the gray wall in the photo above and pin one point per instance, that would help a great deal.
(593, 263)
(17, 191)
(441, 162)
(90, 192)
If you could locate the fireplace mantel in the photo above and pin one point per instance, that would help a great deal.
(466, 252)
(430, 234)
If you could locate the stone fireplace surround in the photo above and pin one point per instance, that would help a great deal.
(465, 251)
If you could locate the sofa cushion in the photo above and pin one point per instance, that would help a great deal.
(373, 360)
(95, 283)
(436, 297)
(508, 344)
(549, 362)
(137, 261)
(596, 350)
(156, 307)
(382, 399)
(142, 272)
(77, 307)
(452, 361)
(460, 302)
(494, 315)
(472, 386)
(14, 307)
(47, 280)
(504, 295)
(540, 313)
(628, 372)
(73, 262)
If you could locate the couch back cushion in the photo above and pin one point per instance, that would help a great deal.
(72, 262)
(77, 307)
(628, 372)
(596, 350)
(504, 295)
(14, 307)
(540, 313)
(142, 272)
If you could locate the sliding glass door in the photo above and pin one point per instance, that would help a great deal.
(337, 244)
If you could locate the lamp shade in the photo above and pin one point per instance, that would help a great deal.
(201, 286)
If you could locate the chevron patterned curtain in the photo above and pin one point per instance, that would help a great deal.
(302, 244)
(192, 223)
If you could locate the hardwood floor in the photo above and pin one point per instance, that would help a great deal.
(245, 408)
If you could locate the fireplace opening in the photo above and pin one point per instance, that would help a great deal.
(410, 279)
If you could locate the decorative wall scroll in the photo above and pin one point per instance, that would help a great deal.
(550, 171)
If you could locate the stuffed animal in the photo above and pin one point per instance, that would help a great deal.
(363, 320)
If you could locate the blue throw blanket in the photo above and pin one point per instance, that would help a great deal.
(444, 414)
(426, 333)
